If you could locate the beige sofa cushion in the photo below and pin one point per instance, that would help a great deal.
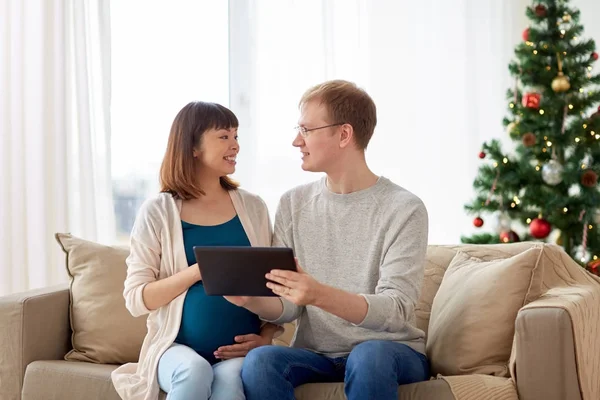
(103, 330)
(67, 380)
(473, 314)
(437, 260)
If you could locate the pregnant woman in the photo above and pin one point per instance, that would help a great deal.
(195, 343)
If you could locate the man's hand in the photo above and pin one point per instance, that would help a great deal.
(244, 343)
(298, 287)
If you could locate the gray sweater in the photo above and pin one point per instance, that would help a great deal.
(371, 242)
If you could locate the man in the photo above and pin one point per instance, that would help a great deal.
(360, 241)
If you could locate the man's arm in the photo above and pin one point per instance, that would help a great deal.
(397, 291)
(400, 275)
(267, 308)
(302, 289)
(349, 306)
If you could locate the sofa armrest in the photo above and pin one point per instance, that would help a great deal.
(34, 325)
(545, 365)
(556, 345)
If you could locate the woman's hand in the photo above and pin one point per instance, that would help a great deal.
(244, 343)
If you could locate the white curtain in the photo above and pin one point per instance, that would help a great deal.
(54, 135)
(437, 70)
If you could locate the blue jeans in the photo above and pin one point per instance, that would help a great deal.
(184, 375)
(373, 370)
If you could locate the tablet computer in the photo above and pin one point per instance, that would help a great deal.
(240, 271)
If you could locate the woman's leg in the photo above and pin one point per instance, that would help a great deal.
(227, 384)
(184, 375)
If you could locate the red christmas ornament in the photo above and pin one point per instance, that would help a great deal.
(509, 237)
(540, 228)
(593, 266)
(526, 35)
(540, 11)
(478, 222)
(532, 100)
(595, 55)
(482, 155)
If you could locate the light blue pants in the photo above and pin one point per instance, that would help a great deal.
(185, 375)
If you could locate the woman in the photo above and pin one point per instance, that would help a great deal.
(187, 351)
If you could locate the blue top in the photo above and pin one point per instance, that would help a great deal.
(209, 322)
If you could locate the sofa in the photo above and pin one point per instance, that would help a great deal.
(504, 321)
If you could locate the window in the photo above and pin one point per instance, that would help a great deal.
(164, 55)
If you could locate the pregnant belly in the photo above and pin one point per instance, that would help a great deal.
(209, 322)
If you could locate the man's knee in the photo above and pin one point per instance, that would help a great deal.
(260, 355)
(260, 360)
(369, 350)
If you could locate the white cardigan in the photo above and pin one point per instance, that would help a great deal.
(157, 251)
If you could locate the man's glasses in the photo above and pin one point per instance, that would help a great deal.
(304, 131)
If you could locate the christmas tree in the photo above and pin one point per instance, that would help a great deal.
(546, 188)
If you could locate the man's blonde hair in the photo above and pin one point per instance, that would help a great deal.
(348, 104)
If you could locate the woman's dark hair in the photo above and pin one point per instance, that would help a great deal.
(178, 169)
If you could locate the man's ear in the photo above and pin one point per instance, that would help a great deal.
(346, 136)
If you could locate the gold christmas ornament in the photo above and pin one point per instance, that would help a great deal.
(561, 82)
(566, 18)
(510, 129)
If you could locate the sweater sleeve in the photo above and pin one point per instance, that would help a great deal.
(143, 262)
(400, 274)
(282, 237)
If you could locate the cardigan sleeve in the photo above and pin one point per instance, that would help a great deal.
(143, 262)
